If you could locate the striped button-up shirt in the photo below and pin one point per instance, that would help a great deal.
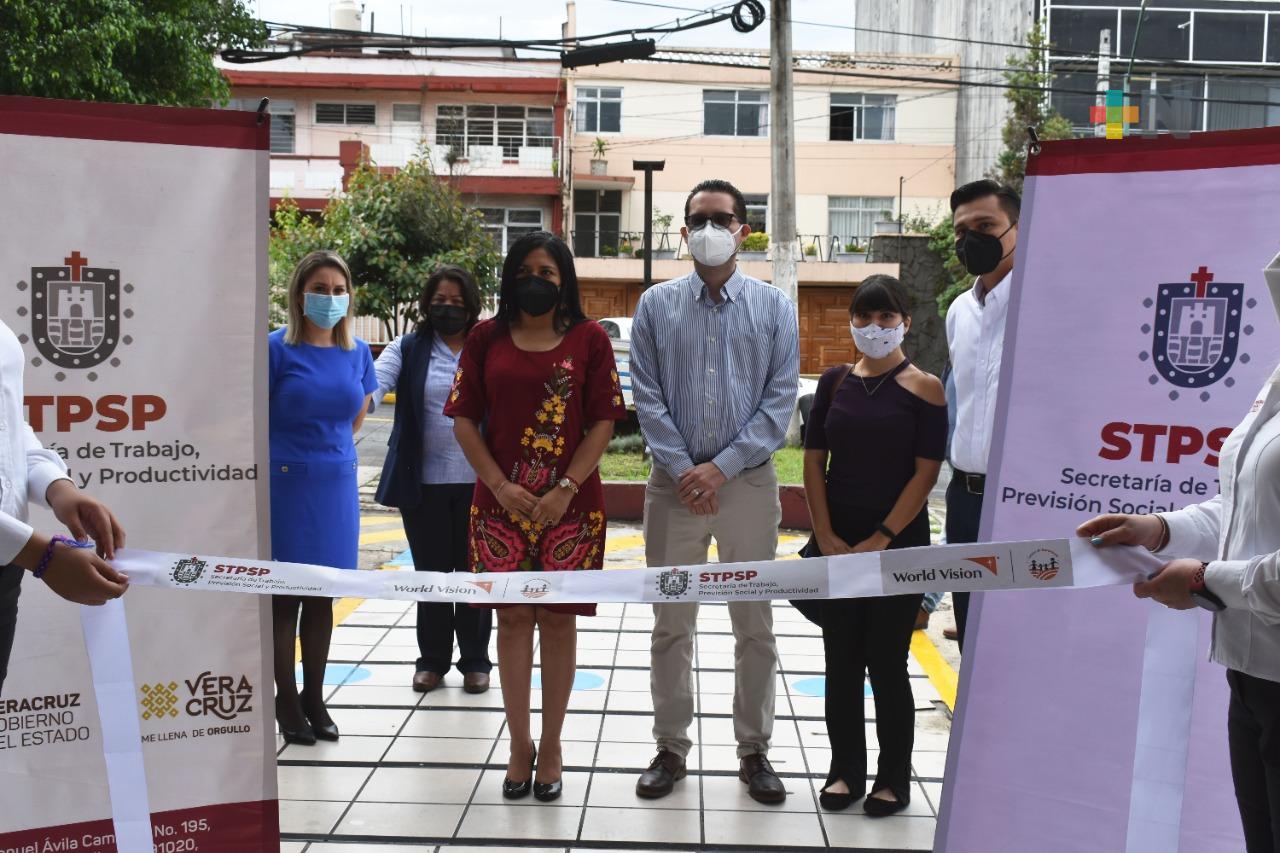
(714, 381)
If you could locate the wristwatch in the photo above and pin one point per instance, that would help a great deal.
(1202, 595)
(568, 483)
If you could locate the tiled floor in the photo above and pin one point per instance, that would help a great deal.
(423, 773)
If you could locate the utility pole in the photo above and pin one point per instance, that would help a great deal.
(1104, 77)
(782, 198)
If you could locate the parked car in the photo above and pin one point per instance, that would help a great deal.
(619, 331)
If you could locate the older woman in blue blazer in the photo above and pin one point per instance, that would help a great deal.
(427, 477)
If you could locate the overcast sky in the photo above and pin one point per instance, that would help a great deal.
(530, 19)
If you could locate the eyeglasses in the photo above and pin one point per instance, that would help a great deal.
(697, 220)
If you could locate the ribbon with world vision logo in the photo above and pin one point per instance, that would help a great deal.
(1037, 564)
(1040, 564)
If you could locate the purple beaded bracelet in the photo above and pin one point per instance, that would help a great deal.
(48, 552)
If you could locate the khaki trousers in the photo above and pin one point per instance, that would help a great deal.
(746, 528)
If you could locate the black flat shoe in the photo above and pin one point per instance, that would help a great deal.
(833, 802)
(545, 792)
(876, 807)
(303, 735)
(519, 790)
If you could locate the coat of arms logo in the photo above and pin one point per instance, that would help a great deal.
(674, 583)
(188, 570)
(75, 315)
(1196, 332)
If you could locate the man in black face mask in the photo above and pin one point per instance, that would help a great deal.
(985, 217)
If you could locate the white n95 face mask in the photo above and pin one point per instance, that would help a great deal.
(712, 245)
(1272, 272)
(876, 341)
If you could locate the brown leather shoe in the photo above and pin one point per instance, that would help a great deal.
(951, 634)
(762, 783)
(475, 682)
(425, 681)
(922, 619)
(664, 771)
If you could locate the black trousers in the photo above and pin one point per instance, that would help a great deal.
(10, 586)
(870, 637)
(1253, 733)
(439, 537)
(964, 514)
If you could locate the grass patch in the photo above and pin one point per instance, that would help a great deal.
(629, 464)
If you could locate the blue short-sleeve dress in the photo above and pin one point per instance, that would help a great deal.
(315, 395)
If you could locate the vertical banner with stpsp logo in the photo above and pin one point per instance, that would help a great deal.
(1140, 332)
(132, 270)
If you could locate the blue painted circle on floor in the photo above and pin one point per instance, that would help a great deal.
(340, 673)
(581, 681)
(817, 686)
(810, 686)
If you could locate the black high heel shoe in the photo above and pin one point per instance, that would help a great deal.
(545, 792)
(323, 731)
(302, 736)
(518, 790)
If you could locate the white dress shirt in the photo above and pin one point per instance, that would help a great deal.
(975, 338)
(26, 468)
(1238, 532)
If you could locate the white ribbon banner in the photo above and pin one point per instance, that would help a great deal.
(1039, 564)
(1036, 564)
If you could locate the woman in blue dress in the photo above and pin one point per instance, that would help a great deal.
(321, 382)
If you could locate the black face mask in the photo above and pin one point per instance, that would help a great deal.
(980, 253)
(447, 319)
(536, 296)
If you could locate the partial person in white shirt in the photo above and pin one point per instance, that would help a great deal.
(427, 477)
(1227, 552)
(31, 474)
(985, 217)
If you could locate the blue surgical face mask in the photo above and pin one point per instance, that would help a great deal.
(325, 311)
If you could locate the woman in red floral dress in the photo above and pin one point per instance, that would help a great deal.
(542, 380)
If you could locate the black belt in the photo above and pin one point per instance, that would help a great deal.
(974, 484)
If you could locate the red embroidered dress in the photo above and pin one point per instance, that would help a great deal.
(536, 408)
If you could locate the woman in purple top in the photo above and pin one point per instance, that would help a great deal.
(875, 443)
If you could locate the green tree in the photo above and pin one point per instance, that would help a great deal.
(393, 230)
(128, 51)
(1029, 107)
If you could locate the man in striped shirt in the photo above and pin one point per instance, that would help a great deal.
(715, 366)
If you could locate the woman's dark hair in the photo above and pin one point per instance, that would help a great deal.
(880, 293)
(569, 309)
(466, 283)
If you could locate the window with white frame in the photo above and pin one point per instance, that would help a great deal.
(859, 116)
(406, 113)
(345, 114)
(511, 126)
(852, 219)
(283, 127)
(599, 110)
(757, 211)
(728, 112)
(507, 224)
